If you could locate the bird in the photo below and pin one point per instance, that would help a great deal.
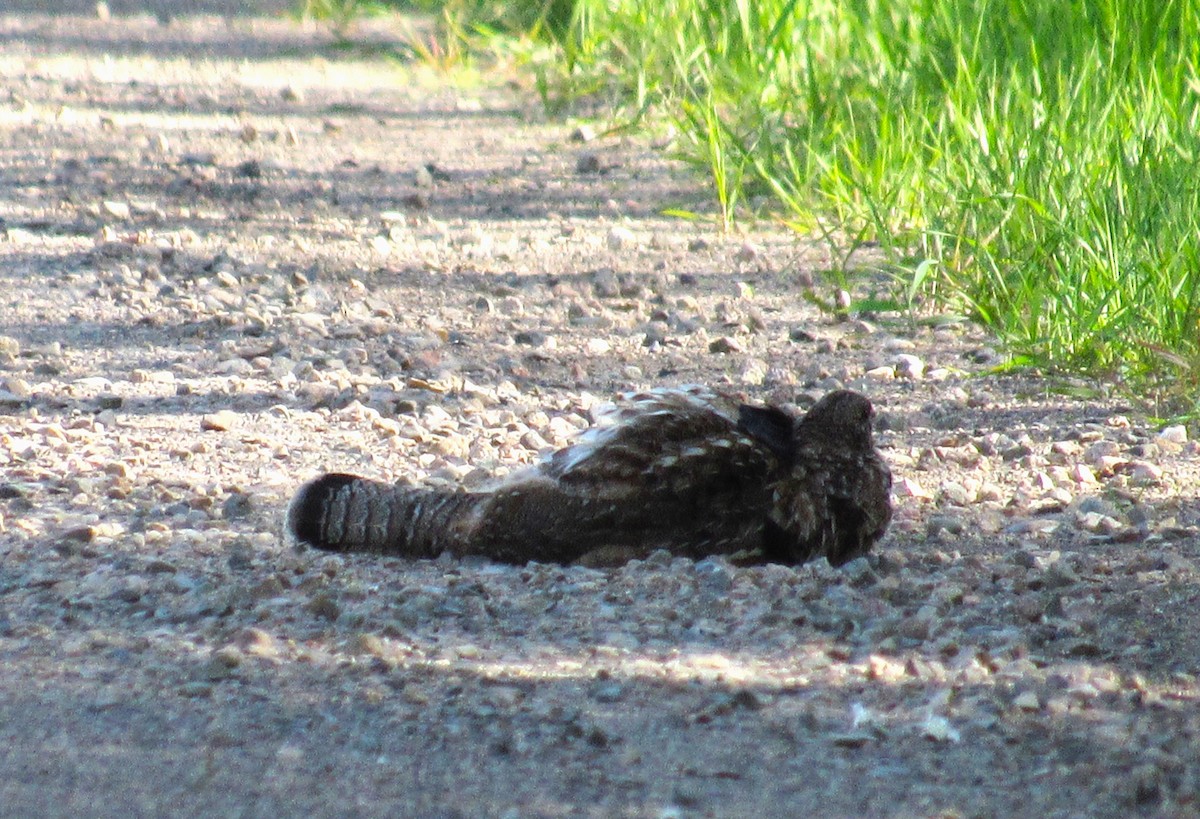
(691, 470)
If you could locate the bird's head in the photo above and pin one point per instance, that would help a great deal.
(843, 415)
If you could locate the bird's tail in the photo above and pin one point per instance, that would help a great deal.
(345, 513)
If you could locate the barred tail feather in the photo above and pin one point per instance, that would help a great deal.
(345, 513)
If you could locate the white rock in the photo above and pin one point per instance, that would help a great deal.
(1102, 449)
(118, 210)
(1106, 465)
(908, 365)
(1145, 472)
(1028, 701)
(620, 237)
(939, 729)
(1098, 523)
(957, 494)
(908, 488)
(1082, 473)
(1174, 434)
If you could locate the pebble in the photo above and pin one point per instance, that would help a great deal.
(938, 729)
(118, 210)
(588, 163)
(1144, 472)
(725, 344)
(257, 643)
(1176, 434)
(583, 133)
(909, 366)
(1027, 701)
(620, 238)
(909, 488)
(324, 606)
(950, 524)
(219, 421)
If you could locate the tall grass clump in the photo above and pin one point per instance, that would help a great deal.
(1031, 161)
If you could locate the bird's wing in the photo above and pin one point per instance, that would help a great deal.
(664, 442)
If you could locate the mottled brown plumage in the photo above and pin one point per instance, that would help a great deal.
(689, 470)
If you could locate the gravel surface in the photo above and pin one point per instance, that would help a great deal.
(232, 258)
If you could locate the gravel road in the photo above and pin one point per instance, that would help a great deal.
(232, 257)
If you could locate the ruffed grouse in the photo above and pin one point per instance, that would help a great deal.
(689, 470)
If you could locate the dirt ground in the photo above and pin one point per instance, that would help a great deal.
(232, 256)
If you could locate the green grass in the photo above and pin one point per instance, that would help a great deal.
(1030, 162)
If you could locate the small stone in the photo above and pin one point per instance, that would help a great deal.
(1144, 472)
(747, 253)
(131, 589)
(714, 575)
(884, 669)
(917, 626)
(908, 488)
(584, 133)
(608, 691)
(250, 169)
(724, 344)
(372, 644)
(949, 524)
(1147, 785)
(620, 237)
(859, 573)
(1028, 701)
(530, 338)
(588, 163)
(881, 373)
(1176, 435)
(1099, 524)
(1082, 473)
(853, 739)
(196, 689)
(938, 729)
(957, 494)
(1108, 465)
(228, 656)
(1100, 449)
(324, 606)
(219, 421)
(258, 643)
(17, 387)
(1032, 526)
(909, 366)
(597, 346)
(80, 534)
(118, 210)
(533, 440)
(754, 373)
